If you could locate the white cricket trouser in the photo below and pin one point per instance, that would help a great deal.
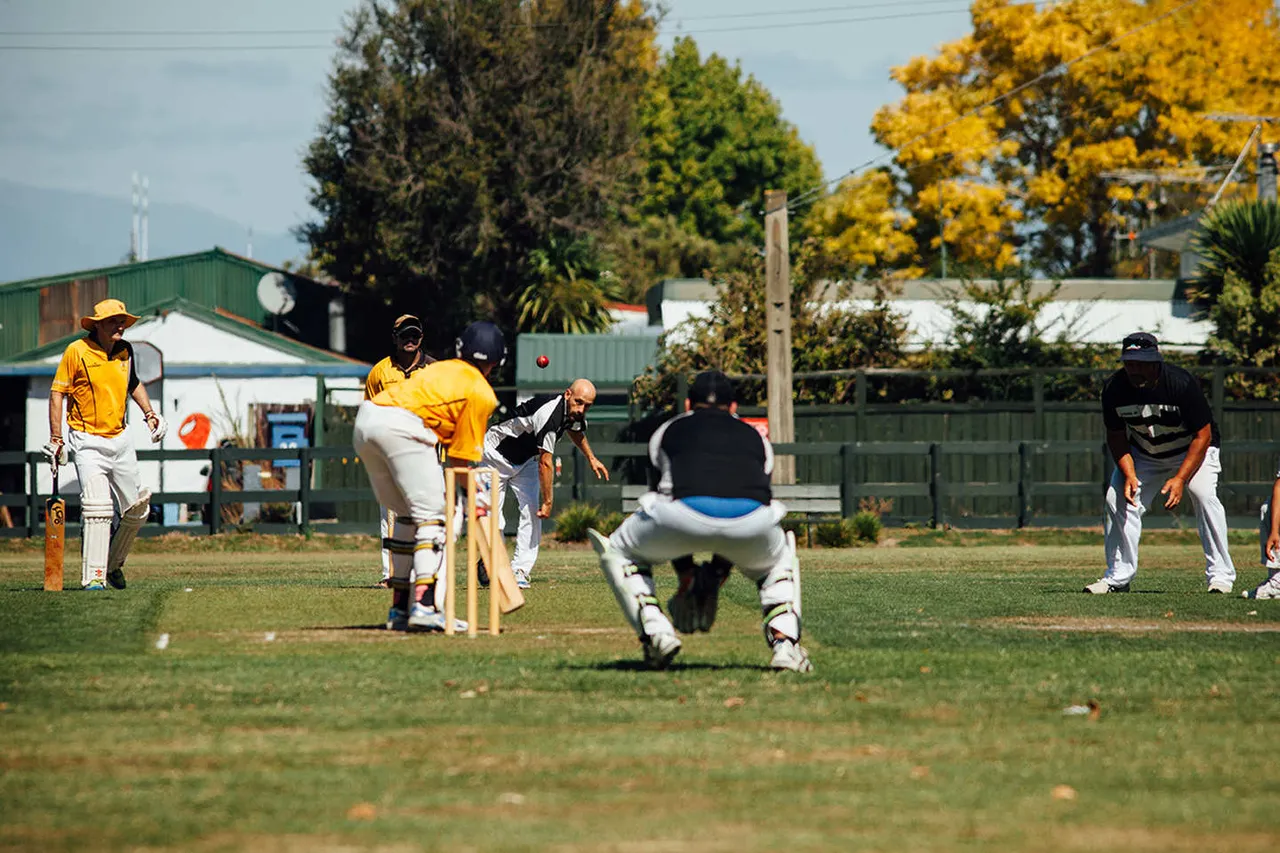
(523, 482)
(663, 529)
(399, 453)
(1264, 531)
(104, 464)
(1124, 521)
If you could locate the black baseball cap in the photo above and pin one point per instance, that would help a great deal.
(712, 388)
(407, 324)
(1140, 346)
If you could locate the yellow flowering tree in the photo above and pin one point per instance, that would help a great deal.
(1027, 178)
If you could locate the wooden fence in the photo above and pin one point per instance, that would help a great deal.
(929, 483)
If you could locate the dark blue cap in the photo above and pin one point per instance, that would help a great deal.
(1140, 346)
(712, 388)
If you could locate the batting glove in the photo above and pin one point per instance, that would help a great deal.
(157, 425)
(55, 452)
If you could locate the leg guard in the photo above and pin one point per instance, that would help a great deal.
(386, 529)
(399, 549)
(633, 588)
(430, 574)
(133, 517)
(780, 598)
(95, 516)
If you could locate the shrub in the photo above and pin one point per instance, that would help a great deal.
(833, 534)
(573, 521)
(866, 526)
(609, 523)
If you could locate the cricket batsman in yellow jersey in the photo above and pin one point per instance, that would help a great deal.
(396, 435)
(406, 357)
(96, 378)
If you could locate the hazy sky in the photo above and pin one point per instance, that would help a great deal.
(225, 129)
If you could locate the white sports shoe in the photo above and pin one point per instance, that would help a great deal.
(425, 618)
(522, 580)
(1220, 587)
(788, 654)
(1103, 586)
(1270, 589)
(660, 650)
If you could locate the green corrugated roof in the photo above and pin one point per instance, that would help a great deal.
(216, 253)
(218, 319)
(610, 361)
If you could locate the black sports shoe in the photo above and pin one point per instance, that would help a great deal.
(115, 577)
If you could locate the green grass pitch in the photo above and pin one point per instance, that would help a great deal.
(934, 720)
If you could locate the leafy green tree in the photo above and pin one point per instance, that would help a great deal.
(1239, 283)
(825, 335)
(999, 324)
(712, 141)
(463, 137)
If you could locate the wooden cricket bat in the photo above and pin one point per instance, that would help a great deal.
(55, 523)
(502, 579)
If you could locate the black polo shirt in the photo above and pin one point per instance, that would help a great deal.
(1161, 420)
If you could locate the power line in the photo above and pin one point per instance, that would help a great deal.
(898, 4)
(539, 25)
(814, 11)
(812, 192)
(115, 48)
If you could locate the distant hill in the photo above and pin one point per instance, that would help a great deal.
(46, 232)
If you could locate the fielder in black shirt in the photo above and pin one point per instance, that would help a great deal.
(1161, 434)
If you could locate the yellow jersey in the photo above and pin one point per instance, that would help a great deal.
(97, 385)
(453, 398)
(386, 373)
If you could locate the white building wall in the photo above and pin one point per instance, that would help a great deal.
(184, 340)
(1104, 321)
(181, 397)
(1101, 321)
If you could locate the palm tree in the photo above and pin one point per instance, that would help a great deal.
(1239, 282)
(1235, 238)
(569, 294)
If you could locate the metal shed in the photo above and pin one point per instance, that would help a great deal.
(38, 311)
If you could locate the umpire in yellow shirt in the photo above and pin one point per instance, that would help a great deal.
(406, 357)
(397, 434)
(96, 378)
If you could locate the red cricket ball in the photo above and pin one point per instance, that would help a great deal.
(543, 361)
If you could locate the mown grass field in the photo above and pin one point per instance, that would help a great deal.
(934, 720)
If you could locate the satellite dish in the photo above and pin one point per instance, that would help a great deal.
(276, 293)
(148, 362)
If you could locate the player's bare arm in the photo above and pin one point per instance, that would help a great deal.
(1273, 536)
(1118, 444)
(155, 423)
(546, 470)
(1174, 486)
(55, 451)
(597, 467)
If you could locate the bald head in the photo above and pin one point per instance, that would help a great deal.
(579, 398)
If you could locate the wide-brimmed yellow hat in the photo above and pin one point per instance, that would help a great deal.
(108, 308)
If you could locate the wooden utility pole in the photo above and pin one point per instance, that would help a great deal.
(777, 266)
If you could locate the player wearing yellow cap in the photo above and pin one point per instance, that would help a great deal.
(397, 435)
(95, 380)
(406, 357)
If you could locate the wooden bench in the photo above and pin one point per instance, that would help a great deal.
(813, 500)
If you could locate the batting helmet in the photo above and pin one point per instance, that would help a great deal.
(482, 343)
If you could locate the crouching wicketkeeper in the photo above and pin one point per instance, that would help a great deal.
(713, 495)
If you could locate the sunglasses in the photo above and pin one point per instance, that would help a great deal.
(409, 335)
